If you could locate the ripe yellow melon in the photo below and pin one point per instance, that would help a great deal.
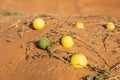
(38, 23)
(110, 26)
(79, 25)
(78, 61)
(67, 41)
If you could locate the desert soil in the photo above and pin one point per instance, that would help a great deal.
(20, 57)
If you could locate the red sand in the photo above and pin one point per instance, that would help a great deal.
(91, 41)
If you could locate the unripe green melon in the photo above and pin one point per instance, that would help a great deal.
(44, 43)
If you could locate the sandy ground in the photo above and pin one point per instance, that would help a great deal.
(64, 7)
(97, 43)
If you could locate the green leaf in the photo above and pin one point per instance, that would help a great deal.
(90, 77)
(107, 72)
(95, 66)
(99, 77)
(13, 13)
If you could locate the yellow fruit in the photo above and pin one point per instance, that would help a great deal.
(38, 23)
(17, 23)
(79, 25)
(67, 41)
(78, 61)
(110, 26)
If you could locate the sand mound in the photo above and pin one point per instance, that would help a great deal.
(21, 59)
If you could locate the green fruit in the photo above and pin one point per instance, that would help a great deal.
(44, 43)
